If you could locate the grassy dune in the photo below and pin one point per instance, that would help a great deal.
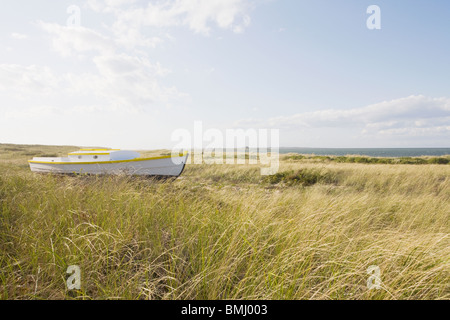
(226, 232)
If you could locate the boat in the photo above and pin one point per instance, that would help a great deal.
(111, 161)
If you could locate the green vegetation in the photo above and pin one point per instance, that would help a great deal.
(304, 177)
(226, 232)
(372, 160)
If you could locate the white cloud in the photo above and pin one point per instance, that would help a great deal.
(210, 70)
(417, 132)
(74, 40)
(198, 15)
(18, 81)
(19, 36)
(122, 83)
(102, 5)
(32, 112)
(131, 81)
(410, 116)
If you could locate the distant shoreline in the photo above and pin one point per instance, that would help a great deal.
(372, 152)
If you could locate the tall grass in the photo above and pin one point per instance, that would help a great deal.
(225, 232)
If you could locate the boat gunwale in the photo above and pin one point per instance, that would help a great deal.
(108, 162)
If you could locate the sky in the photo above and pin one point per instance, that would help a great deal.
(130, 73)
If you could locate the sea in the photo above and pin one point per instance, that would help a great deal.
(371, 152)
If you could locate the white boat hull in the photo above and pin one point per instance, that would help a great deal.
(164, 166)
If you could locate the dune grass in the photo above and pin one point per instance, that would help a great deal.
(226, 232)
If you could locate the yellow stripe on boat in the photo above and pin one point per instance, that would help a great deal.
(105, 162)
(88, 154)
(99, 149)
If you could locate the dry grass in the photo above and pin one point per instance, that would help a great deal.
(225, 232)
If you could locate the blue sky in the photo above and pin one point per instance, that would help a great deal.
(135, 71)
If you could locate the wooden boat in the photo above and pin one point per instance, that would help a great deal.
(110, 161)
